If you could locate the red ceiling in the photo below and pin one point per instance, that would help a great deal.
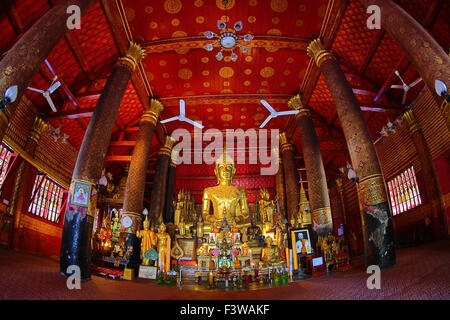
(223, 86)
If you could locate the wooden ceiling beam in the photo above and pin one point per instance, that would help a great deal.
(74, 46)
(72, 114)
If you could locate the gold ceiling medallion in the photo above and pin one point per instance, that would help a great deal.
(172, 6)
(227, 39)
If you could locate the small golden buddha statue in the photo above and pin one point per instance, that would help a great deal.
(163, 247)
(267, 210)
(148, 241)
(228, 201)
(179, 208)
(203, 250)
(271, 254)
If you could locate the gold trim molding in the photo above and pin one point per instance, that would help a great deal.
(372, 190)
(322, 216)
(411, 121)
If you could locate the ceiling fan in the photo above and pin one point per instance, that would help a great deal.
(54, 85)
(404, 86)
(273, 113)
(182, 117)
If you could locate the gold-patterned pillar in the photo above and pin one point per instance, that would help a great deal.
(81, 203)
(281, 189)
(20, 198)
(158, 196)
(322, 221)
(376, 213)
(291, 176)
(431, 185)
(137, 174)
(21, 63)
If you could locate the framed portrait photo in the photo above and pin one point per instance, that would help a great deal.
(301, 242)
(81, 194)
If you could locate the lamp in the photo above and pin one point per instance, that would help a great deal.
(351, 174)
(441, 90)
(10, 96)
(227, 39)
(145, 212)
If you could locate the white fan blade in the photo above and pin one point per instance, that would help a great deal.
(401, 79)
(404, 97)
(397, 86)
(54, 87)
(198, 125)
(169, 120)
(284, 113)
(50, 102)
(37, 90)
(268, 106)
(182, 107)
(265, 121)
(415, 82)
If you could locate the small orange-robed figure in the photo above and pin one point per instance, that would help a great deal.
(148, 240)
(163, 245)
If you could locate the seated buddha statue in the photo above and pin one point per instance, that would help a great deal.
(229, 202)
(270, 254)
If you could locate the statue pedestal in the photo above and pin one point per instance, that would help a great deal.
(147, 272)
(128, 274)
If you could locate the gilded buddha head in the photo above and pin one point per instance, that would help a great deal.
(162, 228)
(146, 223)
(224, 169)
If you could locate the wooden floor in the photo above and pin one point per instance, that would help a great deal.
(420, 273)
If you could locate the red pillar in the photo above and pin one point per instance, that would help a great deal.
(317, 181)
(79, 215)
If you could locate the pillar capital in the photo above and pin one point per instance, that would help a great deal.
(152, 115)
(411, 121)
(285, 145)
(167, 148)
(316, 51)
(296, 103)
(39, 126)
(133, 56)
(174, 158)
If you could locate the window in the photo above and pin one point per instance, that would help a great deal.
(404, 191)
(46, 199)
(5, 157)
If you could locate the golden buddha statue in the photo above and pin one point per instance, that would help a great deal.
(203, 251)
(163, 247)
(179, 208)
(229, 202)
(267, 210)
(271, 254)
(148, 241)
